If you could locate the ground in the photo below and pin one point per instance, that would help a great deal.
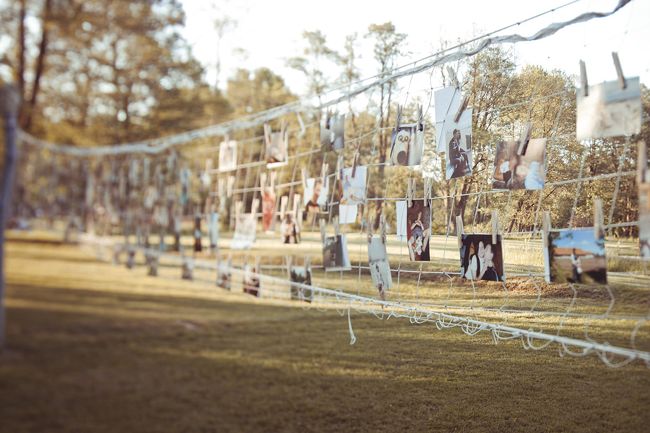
(94, 347)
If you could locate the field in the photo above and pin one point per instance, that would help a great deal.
(94, 347)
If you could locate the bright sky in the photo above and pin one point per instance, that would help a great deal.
(270, 32)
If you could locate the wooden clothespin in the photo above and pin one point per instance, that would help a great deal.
(428, 185)
(369, 227)
(453, 79)
(303, 175)
(382, 227)
(272, 179)
(599, 219)
(525, 139)
(459, 230)
(302, 125)
(335, 223)
(267, 134)
(296, 205)
(339, 166)
(284, 203)
(461, 109)
(323, 173)
(583, 79)
(323, 232)
(355, 162)
(262, 181)
(230, 187)
(619, 70)
(642, 163)
(546, 227)
(255, 204)
(410, 192)
(289, 261)
(420, 119)
(495, 226)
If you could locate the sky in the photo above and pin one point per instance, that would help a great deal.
(267, 33)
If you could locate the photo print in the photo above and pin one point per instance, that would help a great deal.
(353, 187)
(576, 256)
(277, 144)
(447, 101)
(513, 171)
(458, 139)
(608, 110)
(268, 208)
(245, 226)
(480, 259)
(332, 131)
(301, 276)
(400, 218)
(290, 229)
(335, 253)
(348, 213)
(251, 280)
(228, 155)
(407, 145)
(418, 230)
(315, 199)
(379, 267)
(224, 276)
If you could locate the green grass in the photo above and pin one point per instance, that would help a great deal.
(94, 347)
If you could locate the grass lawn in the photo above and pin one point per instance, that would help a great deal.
(94, 347)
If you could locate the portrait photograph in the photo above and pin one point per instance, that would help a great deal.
(527, 171)
(353, 187)
(608, 110)
(480, 259)
(290, 229)
(228, 155)
(314, 199)
(335, 253)
(418, 230)
(301, 276)
(576, 256)
(245, 227)
(379, 266)
(446, 104)
(276, 147)
(332, 132)
(458, 141)
(407, 145)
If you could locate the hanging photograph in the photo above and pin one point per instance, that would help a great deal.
(245, 226)
(458, 141)
(407, 145)
(379, 267)
(335, 253)
(268, 208)
(576, 256)
(513, 171)
(418, 231)
(224, 275)
(213, 229)
(353, 187)
(348, 213)
(446, 103)
(608, 110)
(251, 283)
(290, 229)
(480, 259)
(315, 199)
(300, 277)
(277, 144)
(400, 218)
(332, 131)
(228, 155)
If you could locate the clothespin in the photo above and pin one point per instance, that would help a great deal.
(461, 109)
(382, 227)
(339, 166)
(262, 181)
(369, 227)
(255, 205)
(428, 185)
(410, 192)
(583, 78)
(230, 186)
(546, 227)
(307, 262)
(267, 134)
(288, 260)
(335, 223)
(599, 219)
(323, 232)
(296, 205)
(323, 173)
(525, 139)
(452, 77)
(272, 179)
(459, 230)
(642, 163)
(355, 162)
(302, 125)
(495, 226)
(284, 203)
(619, 70)
(420, 118)
(303, 175)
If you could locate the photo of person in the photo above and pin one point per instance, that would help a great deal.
(608, 110)
(315, 199)
(576, 256)
(446, 104)
(379, 267)
(480, 259)
(300, 276)
(527, 171)
(245, 227)
(228, 155)
(459, 148)
(407, 145)
(332, 132)
(268, 208)
(353, 187)
(224, 275)
(335, 253)
(251, 280)
(290, 229)
(418, 231)
(277, 144)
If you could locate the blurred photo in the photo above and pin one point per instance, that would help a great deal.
(353, 187)
(251, 280)
(228, 155)
(315, 199)
(335, 254)
(245, 227)
(276, 146)
(527, 171)
(332, 131)
(418, 231)
(407, 145)
(379, 267)
(576, 256)
(480, 259)
(268, 208)
(290, 229)
(224, 275)
(300, 277)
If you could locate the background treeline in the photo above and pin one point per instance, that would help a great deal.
(94, 73)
